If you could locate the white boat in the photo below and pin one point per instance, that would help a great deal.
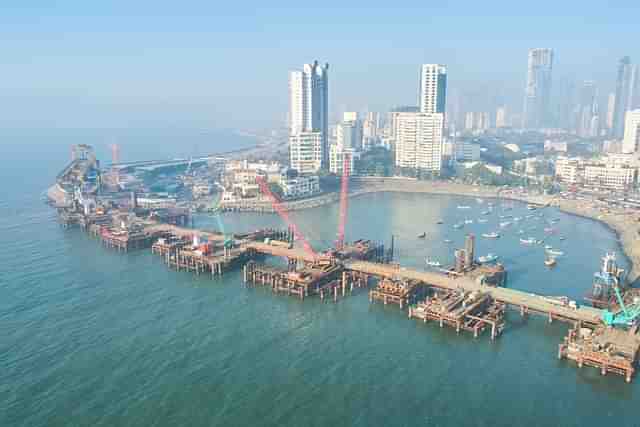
(482, 220)
(468, 221)
(487, 258)
(532, 207)
(563, 238)
(448, 241)
(529, 241)
(518, 218)
(505, 224)
(548, 247)
(555, 253)
(506, 216)
(520, 231)
(486, 212)
(492, 235)
(550, 262)
(458, 225)
(464, 207)
(431, 263)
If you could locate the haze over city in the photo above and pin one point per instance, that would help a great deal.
(224, 65)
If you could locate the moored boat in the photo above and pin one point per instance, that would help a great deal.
(492, 235)
(487, 258)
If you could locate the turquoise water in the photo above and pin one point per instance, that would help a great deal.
(94, 337)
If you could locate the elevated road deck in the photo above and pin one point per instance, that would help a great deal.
(529, 302)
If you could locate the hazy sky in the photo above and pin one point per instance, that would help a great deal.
(224, 63)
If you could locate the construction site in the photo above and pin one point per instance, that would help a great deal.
(466, 296)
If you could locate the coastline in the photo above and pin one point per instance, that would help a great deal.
(622, 223)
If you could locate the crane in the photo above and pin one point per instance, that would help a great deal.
(626, 317)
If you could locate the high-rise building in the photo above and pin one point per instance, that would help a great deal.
(419, 141)
(469, 121)
(305, 152)
(538, 90)
(433, 88)
(349, 134)
(588, 109)
(501, 117)
(624, 101)
(611, 105)
(631, 139)
(309, 105)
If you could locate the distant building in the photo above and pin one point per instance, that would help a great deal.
(569, 170)
(612, 146)
(631, 132)
(305, 152)
(603, 176)
(419, 141)
(538, 90)
(433, 88)
(469, 121)
(337, 154)
(467, 151)
(625, 97)
(557, 146)
(309, 104)
(611, 105)
(349, 133)
(501, 117)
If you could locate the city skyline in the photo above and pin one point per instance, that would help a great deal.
(111, 65)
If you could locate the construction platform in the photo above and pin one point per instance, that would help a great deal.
(462, 310)
(605, 348)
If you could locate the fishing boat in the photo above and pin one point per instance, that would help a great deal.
(529, 241)
(487, 258)
(464, 207)
(492, 235)
(555, 253)
(422, 235)
(458, 225)
(468, 221)
(432, 263)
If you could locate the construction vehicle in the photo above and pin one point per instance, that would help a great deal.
(627, 316)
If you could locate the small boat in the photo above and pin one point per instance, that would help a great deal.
(520, 231)
(486, 212)
(548, 247)
(492, 235)
(431, 263)
(555, 253)
(505, 224)
(563, 238)
(528, 216)
(458, 225)
(423, 235)
(464, 207)
(555, 220)
(440, 221)
(487, 258)
(468, 221)
(549, 230)
(532, 207)
(506, 216)
(448, 241)
(518, 218)
(482, 220)
(529, 241)
(550, 262)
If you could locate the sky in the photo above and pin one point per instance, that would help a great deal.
(225, 64)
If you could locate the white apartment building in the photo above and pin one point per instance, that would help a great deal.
(419, 140)
(631, 132)
(305, 152)
(433, 88)
(337, 155)
(603, 176)
(300, 186)
(569, 170)
(309, 103)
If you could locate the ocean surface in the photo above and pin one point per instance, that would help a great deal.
(91, 337)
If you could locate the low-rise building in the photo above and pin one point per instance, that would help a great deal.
(604, 176)
(337, 156)
(568, 170)
(557, 146)
(299, 186)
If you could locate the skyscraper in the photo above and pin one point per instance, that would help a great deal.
(626, 83)
(611, 106)
(419, 141)
(501, 117)
(631, 132)
(588, 109)
(433, 88)
(309, 104)
(538, 90)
